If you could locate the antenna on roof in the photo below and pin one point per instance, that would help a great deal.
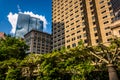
(19, 10)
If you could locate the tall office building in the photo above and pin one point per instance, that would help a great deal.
(38, 41)
(81, 19)
(115, 5)
(116, 8)
(26, 23)
(115, 26)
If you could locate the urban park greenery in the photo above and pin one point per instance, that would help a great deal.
(66, 64)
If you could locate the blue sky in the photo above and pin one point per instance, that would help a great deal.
(40, 7)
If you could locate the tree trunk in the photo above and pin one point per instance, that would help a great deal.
(112, 72)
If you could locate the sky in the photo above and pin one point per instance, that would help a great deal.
(9, 11)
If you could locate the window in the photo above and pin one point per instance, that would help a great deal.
(102, 7)
(66, 0)
(111, 14)
(93, 23)
(72, 34)
(109, 3)
(68, 36)
(91, 7)
(70, 5)
(68, 41)
(81, 8)
(71, 14)
(67, 21)
(72, 23)
(85, 41)
(74, 45)
(92, 12)
(77, 26)
(93, 17)
(59, 39)
(78, 31)
(67, 26)
(76, 11)
(104, 17)
(62, 19)
(91, 3)
(83, 23)
(73, 39)
(72, 29)
(82, 18)
(71, 18)
(106, 22)
(110, 8)
(84, 34)
(62, 16)
(109, 33)
(76, 6)
(96, 34)
(95, 28)
(84, 29)
(101, 1)
(65, 9)
(82, 13)
(70, 2)
(78, 37)
(67, 31)
(62, 8)
(66, 4)
(108, 39)
(119, 31)
(66, 17)
(61, 4)
(103, 12)
(77, 21)
(68, 46)
(106, 34)
(77, 16)
(107, 28)
(97, 40)
(75, 2)
(81, 3)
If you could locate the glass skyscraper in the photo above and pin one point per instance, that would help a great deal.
(26, 23)
(36, 24)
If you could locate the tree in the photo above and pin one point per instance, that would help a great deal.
(10, 47)
(72, 64)
(108, 54)
(12, 51)
(7, 66)
(13, 74)
(30, 64)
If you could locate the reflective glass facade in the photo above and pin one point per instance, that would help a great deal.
(36, 24)
(26, 23)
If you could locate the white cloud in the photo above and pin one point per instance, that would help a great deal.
(12, 18)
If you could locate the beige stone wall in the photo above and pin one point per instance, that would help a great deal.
(39, 42)
(87, 20)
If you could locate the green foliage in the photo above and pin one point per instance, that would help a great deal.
(70, 64)
(12, 50)
(66, 64)
(13, 74)
(10, 47)
(7, 65)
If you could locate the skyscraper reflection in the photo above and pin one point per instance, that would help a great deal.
(26, 23)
